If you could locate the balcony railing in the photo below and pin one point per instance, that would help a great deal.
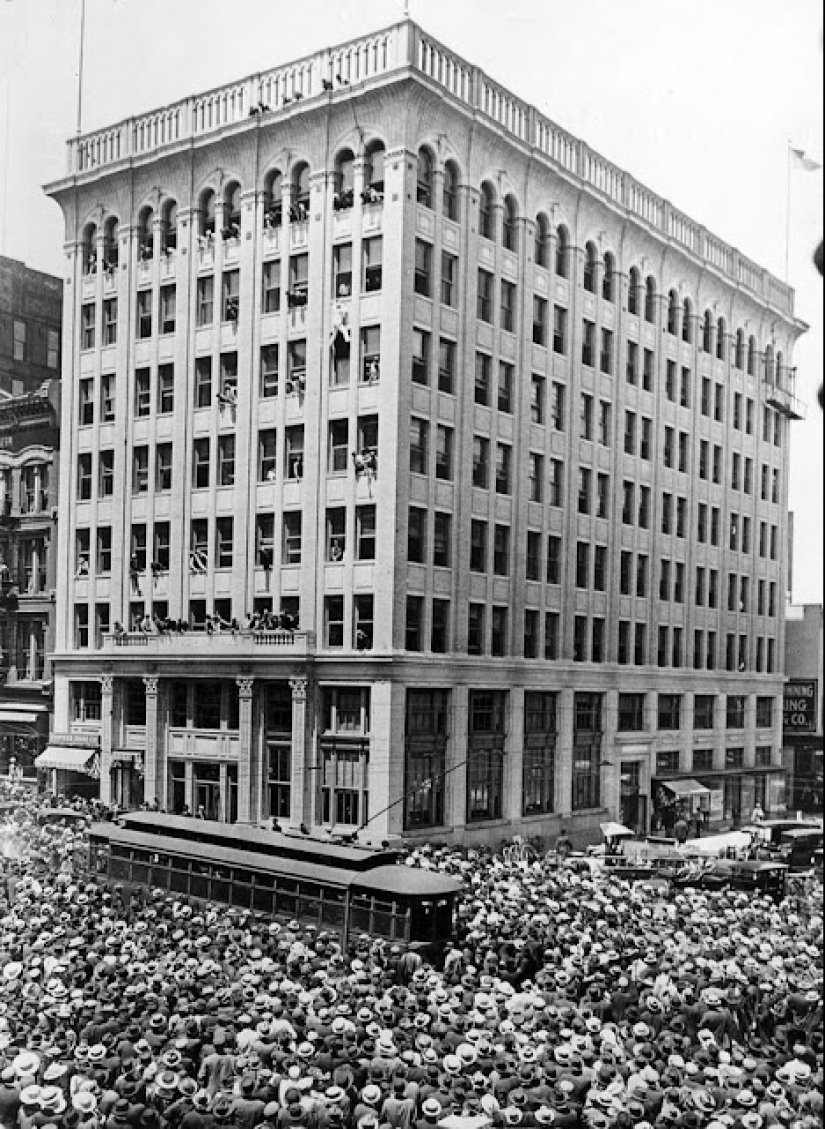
(202, 643)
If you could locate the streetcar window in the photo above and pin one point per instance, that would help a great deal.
(179, 877)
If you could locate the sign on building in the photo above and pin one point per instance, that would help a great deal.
(799, 706)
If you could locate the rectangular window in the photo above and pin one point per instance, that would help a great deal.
(645, 439)
(506, 378)
(501, 550)
(167, 309)
(670, 381)
(644, 507)
(143, 392)
(588, 342)
(440, 627)
(166, 389)
(602, 495)
(605, 420)
(684, 388)
(586, 416)
(537, 384)
(200, 463)
(419, 446)
(560, 330)
(647, 370)
(632, 364)
(334, 621)
(372, 252)
(446, 365)
(160, 547)
(475, 629)
(226, 460)
(631, 713)
(669, 713)
(336, 534)
(420, 356)
(532, 558)
(623, 644)
(582, 564)
(764, 712)
(606, 351)
(535, 477)
(585, 490)
(107, 397)
(484, 368)
(684, 441)
(338, 447)
(267, 455)
(110, 321)
(423, 268)
(271, 288)
(205, 302)
(551, 635)
(144, 314)
(641, 575)
(625, 572)
(224, 542)
(203, 382)
(498, 631)
(449, 279)
(504, 459)
(557, 406)
(140, 470)
(86, 401)
(484, 300)
(444, 452)
(630, 433)
(293, 530)
(640, 644)
(531, 634)
(163, 467)
(442, 539)
(508, 305)
(342, 270)
(478, 546)
(481, 462)
(556, 483)
(735, 711)
(539, 320)
(106, 483)
(580, 638)
(298, 280)
(417, 535)
(87, 326)
(600, 568)
(370, 354)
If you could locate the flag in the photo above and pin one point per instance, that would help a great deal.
(801, 161)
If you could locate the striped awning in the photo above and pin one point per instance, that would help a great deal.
(67, 758)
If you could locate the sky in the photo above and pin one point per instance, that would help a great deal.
(698, 99)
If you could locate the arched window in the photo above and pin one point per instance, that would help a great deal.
(299, 208)
(721, 338)
(145, 238)
(562, 251)
(274, 199)
(634, 285)
(424, 178)
(232, 211)
(451, 191)
(650, 299)
(486, 212)
(206, 214)
(589, 278)
(739, 355)
(110, 248)
(344, 196)
(169, 226)
(751, 356)
(673, 313)
(373, 192)
(687, 320)
(509, 229)
(90, 248)
(542, 240)
(707, 331)
(609, 278)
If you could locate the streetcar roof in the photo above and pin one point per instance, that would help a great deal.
(413, 881)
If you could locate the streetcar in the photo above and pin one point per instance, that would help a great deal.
(349, 890)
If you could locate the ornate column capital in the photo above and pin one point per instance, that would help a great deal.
(151, 685)
(298, 686)
(245, 686)
(107, 684)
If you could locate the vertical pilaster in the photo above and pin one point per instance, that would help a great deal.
(513, 787)
(151, 767)
(247, 769)
(564, 754)
(456, 766)
(301, 779)
(107, 690)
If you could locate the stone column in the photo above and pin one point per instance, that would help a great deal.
(564, 754)
(247, 767)
(150, 765)
(300, 806)
(107, 689)
(514, 761)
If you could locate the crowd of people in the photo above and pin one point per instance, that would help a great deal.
(564, 1000)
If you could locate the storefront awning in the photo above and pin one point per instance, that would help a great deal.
(18, 717)
(686, 787)
(67, 758)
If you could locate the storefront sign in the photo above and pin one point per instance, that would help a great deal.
(799, 707)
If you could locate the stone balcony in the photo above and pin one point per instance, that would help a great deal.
(203, 645)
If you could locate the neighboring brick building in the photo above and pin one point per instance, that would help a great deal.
(367, 344)
(31, 307)
(802, 736)
(29, 454)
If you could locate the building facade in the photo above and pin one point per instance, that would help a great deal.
(29, 454)
(31, 308)
(802, 731)
(452, 461)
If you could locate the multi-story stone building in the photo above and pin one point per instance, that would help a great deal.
(367, 345)
(803, 733)
(29, 452)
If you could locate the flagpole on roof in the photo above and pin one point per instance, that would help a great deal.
(80, 66)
